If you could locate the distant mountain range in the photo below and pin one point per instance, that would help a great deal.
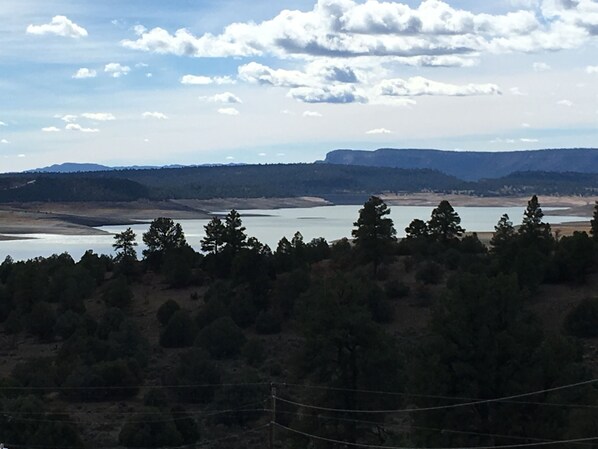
(74, 167)
(473, 165)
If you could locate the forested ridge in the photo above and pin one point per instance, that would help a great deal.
(276, 180)
(432, 341)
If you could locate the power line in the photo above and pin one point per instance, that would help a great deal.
(443, 407)
(428, 396)
(374, 446)
(128, 387)
(411, 426)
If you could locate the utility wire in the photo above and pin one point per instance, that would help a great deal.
(442, 407)
(128, 387)
(428, 396)
(410, 426)
(374, 446)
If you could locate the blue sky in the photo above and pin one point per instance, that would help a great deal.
(192, 81)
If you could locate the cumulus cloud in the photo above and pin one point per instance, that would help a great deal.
(99, 116)
(156, 115)
(328, 94)
(347, 28)
(541, 67)
(228, 111)
(84, 72)
(261, 74)
(79, 128)
(116, 70)
(517, 91)
(59, 26)
(69, 118)
(592, 69)
(51, 129)
(310, 114)
(379, 131)
(225, 97)
(4, 141)
(526, 140)
(567, 103)
(3, 124)
(418, 85)
(205, 80)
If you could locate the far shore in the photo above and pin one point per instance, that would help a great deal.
(19, 219)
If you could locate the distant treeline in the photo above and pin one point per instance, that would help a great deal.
(277, 180)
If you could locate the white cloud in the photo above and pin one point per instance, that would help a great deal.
(500, 140)
(84, 72)
(525, 140)
(4, 141)
(3, 124)
(156, 115)
(261, 74)
(567, 103)
(225, 97)
(418, 85)
(79, 128)
(230, 158)
(205, 80)
(21, 155)
(51, 129)
(262, 154)
(228, 111)
(526, 125)
(99, 116)
(69, 118)
(328, 94)
(379, 131)
(311, 114)
(287, 112)
(60, 26)
(116, 70)
(517, 91)
(347, 28)
(592, 69)
(149, 75)
(541, 67)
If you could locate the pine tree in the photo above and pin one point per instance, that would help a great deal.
(375, 234)
(594, 223)
(444, 222)
(504, 232)
(214, 239)
(234, 232)
(124, 244)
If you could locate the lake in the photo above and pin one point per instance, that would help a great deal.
(269, 226)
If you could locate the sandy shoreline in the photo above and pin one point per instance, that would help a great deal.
(82, 218)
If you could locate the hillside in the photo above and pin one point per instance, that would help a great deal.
(473, 165)
(183, 348)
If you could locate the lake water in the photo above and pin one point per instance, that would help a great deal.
(269, 226)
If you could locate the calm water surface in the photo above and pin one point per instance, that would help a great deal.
(269, 226)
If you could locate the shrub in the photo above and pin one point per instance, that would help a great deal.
(429, 273)
(194, 368)
(582, 321)
(41, 320)
(254, 353)
(118, 294)
(179, 332)
(166, 311)
(153, 429)
(396, 289)
(222, 339)
(67, 324)
(268, 322)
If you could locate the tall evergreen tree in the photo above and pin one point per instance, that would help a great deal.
(532, 226)
(444, 223)
(163, 235)
(234, 232)
(594, 223)
(214, 239)
(504, 233)
(124, 244)
(375, 234)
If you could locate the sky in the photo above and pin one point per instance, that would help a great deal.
(148, 82)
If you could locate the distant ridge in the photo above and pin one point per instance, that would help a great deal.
(473, 165)
(74, 167)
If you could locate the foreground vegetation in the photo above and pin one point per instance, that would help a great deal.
(433, 341)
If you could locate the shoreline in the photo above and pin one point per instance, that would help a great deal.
(17, 219)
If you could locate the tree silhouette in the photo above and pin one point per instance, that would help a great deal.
(504, 232)
(214, 239)
(163, 235)
(444, 222)
(234, 232)
(375, 234)
(124, 244)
